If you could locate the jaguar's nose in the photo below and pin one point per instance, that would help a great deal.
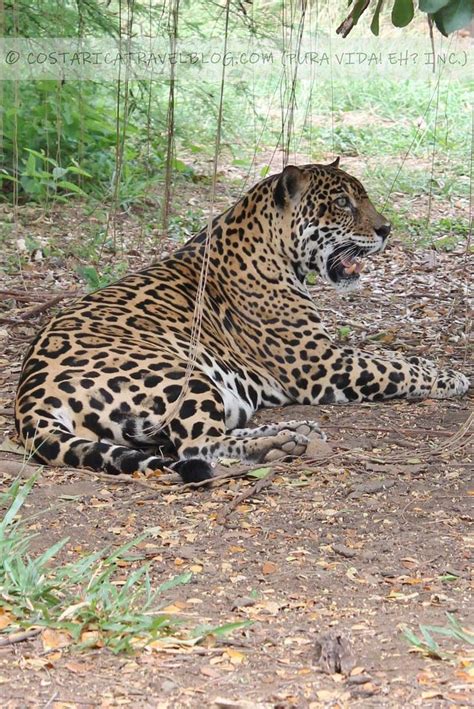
(384, 230)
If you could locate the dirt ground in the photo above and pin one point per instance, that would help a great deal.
(330, 560)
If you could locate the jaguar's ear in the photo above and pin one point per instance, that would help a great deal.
(335, 163)
(289, 184)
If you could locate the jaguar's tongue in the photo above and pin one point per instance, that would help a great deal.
(351, 265)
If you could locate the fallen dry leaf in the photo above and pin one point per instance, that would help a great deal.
(269, 567)
(6, 619)
(55, 639)
(235, 656)
(79, 668)
(92, 638)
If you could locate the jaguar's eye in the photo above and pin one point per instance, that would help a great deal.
(343, 202)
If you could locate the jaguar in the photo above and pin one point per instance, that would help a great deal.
(165, 367)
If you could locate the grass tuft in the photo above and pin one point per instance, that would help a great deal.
(85, 599)
(429, 646)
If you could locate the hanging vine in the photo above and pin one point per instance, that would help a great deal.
(170, 143)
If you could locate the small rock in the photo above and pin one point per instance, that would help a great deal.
(334, 653)
(343, 550)
(317, 448)
(243, 602)
(371, 487)
(359, 679)
(168, 686)
(187, 552)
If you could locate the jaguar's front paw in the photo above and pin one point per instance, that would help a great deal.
(449, 383)
(287, 443)
(306, 428)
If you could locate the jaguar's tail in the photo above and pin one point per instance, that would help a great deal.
(53, 444)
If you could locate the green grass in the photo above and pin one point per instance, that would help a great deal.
(383, 179)
(89, 599)
(445, 234)
(452, 633)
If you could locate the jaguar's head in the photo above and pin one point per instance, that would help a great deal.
(327, 222)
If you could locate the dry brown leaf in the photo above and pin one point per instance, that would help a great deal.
(235, 656)
(6, 619)
(54, 639)
(79, 668)
(37, 663)
(92, 638)
(269, 568)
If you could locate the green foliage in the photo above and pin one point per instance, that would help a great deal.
(344, 332)
(99, 279)
(429, 646)
(41, 177)
(443, 234)
(189, 222)
(375, 24)
(259, 473)
(60, 138)
(74, 123)
(38, 19)
(83, 597)
(448, 15)
(402, 12)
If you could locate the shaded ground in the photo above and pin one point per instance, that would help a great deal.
(369, 538)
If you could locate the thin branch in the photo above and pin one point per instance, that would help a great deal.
(19, 637)
(40, 307)
(26, 296)
(352, 19)
(248, 492)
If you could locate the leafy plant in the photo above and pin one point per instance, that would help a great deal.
(344, 332)
(428, 645)
(98, 279)
(447, 15)
(83, 599)
(43, 178)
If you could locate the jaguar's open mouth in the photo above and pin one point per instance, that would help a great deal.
(343, 263)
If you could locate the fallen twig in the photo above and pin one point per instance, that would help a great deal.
(216, 480)
(40, 307)
(457, 440)
(19, 637)
(26, 296)
(124, 478)
(248, 492)
(420, 431)
(14, 467)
